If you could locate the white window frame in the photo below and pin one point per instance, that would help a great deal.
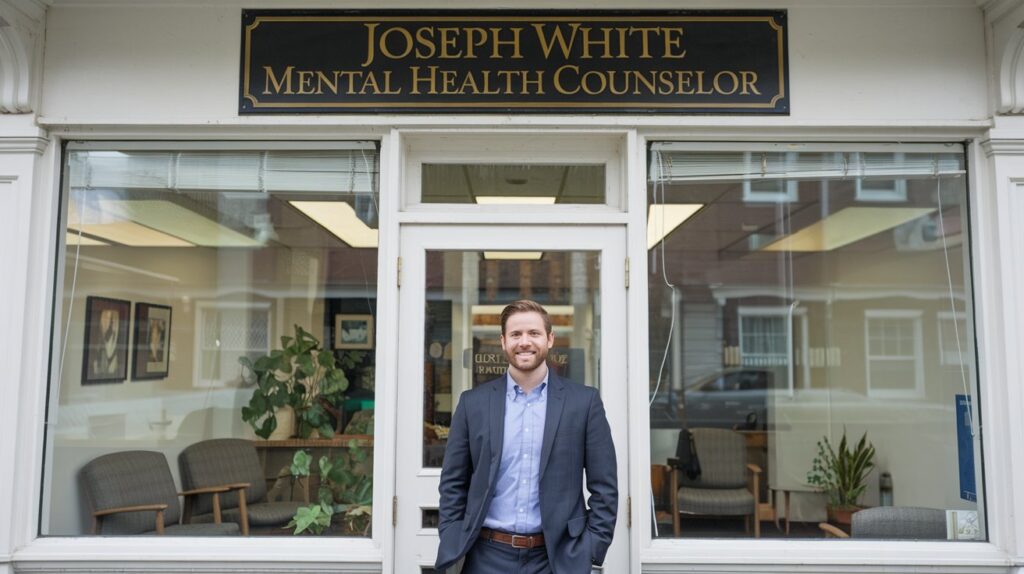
(995, 282)
(918, 357)
(664, 556)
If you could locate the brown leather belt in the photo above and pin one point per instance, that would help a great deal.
(513, 540)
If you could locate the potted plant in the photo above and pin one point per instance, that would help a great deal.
(300, 375)
(344, 498)
(841, 473)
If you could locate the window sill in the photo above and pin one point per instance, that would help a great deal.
(769, 555)
(249, 554)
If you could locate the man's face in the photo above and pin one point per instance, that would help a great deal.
(525, 341)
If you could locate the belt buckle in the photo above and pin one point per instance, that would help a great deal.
(525, 544)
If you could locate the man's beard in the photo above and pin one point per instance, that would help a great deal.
(535, 361)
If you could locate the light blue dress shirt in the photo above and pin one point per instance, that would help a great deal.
(516, 503)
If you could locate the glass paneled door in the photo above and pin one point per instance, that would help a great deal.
(455, 281)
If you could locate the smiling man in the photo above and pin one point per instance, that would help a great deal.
(512, 498)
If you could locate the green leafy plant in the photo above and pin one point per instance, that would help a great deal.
(300, 374)
(842, 472)
(344, 490)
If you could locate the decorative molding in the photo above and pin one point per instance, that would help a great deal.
(1011, 74)
(35, 145)
(21, 48)
(993, 147)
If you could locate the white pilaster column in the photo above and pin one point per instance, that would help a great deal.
(26, 262)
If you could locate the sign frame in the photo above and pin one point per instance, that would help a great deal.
(685, 84)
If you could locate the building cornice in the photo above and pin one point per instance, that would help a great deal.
(35, 145)
(993, 147)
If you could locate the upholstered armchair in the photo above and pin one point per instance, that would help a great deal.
(132, 492)
(893, 523)
(727, 484)
(234, 464)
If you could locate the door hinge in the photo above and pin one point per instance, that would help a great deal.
(399, 272)
(629, 512)
(627, 273)
(394, 510)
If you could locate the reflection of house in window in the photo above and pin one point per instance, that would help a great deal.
(225, 332)
(766, 338)
(951, 351)
(872, 186)
(895, 361)
(770, 189)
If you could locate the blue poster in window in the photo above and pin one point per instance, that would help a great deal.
(965, 448)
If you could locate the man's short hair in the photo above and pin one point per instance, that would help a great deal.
(525, 306)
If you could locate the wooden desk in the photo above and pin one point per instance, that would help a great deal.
(275, 454)
(337, 441)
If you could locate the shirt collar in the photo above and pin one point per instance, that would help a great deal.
(512, 388)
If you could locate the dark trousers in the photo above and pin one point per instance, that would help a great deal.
(490, 557)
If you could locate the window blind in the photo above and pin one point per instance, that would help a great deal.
(312, 171)
(670, 163)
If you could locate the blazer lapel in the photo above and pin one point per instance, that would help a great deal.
(497, 414)
(556, 401)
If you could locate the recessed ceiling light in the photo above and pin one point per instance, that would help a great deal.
(73, 238)
(514, 255)
(847, 226)
(131, 234)
(341, 220)
(663, 219)
(179, 221)
(514, 199)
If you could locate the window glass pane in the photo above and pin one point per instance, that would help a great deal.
(490, 184)
(215, 326)
(797, 298)
(465, 294)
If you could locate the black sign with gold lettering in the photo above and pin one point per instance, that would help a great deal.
(514, 62)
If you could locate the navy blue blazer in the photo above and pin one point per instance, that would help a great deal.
(577, 438)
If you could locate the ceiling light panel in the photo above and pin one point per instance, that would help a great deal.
(341, 220)
(663, 219)
(847, 226)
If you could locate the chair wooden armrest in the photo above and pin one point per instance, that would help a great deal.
(754, 469)
(831, 531)
(159, 508)
(204, 490)
(243, 510)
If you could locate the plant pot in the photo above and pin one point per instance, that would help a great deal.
(285, 424)
(842, 516)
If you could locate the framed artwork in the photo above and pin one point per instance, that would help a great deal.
(353, 331)
(105, 355)
(151, 355)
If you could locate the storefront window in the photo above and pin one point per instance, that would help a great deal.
(801, 299)
(214, 336)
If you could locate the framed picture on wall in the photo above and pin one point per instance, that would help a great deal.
(151, 355)
(105, 355)
(353, 331)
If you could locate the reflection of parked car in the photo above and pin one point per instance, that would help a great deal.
(728, 398)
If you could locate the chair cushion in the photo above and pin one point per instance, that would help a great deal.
(899, 522)
(723, 502)
(267, 513)
(223, 529)
(261, 514)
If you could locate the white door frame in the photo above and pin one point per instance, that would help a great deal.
(416, 487)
